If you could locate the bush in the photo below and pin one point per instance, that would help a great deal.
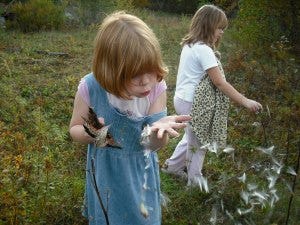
(175, 6)
(189, 6)
(262, 23)
(81, 13)
(36, 15)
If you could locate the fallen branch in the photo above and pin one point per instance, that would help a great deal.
(51, 53)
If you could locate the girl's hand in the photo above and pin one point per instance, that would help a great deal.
(252, 105)
(170, 124)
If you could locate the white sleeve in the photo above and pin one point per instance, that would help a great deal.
(206, 57)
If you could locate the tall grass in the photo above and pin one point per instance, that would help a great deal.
(43, 172)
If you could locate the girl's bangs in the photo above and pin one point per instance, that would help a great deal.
(144, 62)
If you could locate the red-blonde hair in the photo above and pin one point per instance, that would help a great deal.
(125, 47)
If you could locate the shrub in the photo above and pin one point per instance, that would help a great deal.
(141, 3)
(261, 23)
(175, 6)
(188, 6)
(36, 15)
(85, 12)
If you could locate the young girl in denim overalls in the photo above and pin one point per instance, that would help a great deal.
(127, 91)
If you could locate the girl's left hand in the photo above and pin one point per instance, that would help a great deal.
(170, 124)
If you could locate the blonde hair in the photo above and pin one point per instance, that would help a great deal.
(203, 25)
(125, 47)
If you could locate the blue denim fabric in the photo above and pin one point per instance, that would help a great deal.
(120, 172)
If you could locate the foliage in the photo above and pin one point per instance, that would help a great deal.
(189, 7)
(175, 6)
(262, 23)
(138, 3)
(5, 1)
(127, 5)
(43, 173)
(36, 15)
(81, 13)
(229, 6)
(37, 159)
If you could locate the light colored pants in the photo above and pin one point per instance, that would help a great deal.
(187, 152)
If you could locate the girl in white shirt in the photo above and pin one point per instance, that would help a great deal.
(198, 59)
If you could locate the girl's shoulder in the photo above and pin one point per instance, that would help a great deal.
(202, 46)
(201, 50)
(157, 90)
(198, 48)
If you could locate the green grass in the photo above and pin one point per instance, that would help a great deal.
(43, 171)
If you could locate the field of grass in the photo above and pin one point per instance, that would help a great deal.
(42, 170)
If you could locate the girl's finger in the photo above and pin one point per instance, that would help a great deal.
(173, 132)
(182, 118)
(160, 133)
(177, 125)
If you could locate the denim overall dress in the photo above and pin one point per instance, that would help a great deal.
(121, 173)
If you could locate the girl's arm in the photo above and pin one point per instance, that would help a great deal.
(161, 129)
(76, 128)
(217, 79)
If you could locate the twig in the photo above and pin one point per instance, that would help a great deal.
(294, 185)
(94, 182)
(288, 144)
(265, 120)
(52, 53)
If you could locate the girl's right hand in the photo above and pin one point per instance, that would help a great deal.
(252, 105)
(169, 125)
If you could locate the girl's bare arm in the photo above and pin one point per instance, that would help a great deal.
(217, 79)
(76, 128)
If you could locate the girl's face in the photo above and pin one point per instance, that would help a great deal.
(141, 85)
(218, 34)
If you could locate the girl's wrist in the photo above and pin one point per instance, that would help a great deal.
(244, 101)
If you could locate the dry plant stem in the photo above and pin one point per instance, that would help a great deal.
(46, 191)
(264, 127)
(265, 120)
(288, 145)
(94, 182)
(52, 53)
(294, 185)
